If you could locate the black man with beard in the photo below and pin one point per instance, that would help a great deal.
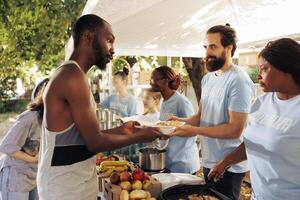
(71, 135)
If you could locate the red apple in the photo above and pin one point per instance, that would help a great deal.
(125, 176)
(146, 177)
(114, 178)
(138, 174)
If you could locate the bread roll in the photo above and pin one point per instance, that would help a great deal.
(124, 195)
(138, 194)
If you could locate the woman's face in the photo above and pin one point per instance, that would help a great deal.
(118, 82)
(157, 82)
(148, 100)
(270, 78)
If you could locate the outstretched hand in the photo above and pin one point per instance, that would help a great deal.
(130, 127)
(184, 131)
(174, 118)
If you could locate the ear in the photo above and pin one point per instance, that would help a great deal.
(87, 37)
(229, 48)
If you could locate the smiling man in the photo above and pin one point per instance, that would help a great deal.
(71, 134)
(225, 102)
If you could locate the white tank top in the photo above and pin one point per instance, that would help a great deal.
(66, 169)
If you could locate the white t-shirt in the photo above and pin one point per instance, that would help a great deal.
(231, 91)
(272, 140)
(182, 152)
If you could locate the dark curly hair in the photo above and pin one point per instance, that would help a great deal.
(284, 55)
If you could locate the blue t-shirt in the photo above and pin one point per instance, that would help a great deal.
(182, 152)
(272, 140)
(231, 91)
(124, 107)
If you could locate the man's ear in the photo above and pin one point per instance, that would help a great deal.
(87, 37)
(229, 48)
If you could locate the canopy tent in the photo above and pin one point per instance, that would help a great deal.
(177, 27)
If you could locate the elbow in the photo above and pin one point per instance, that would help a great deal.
(92, 146)
(95, 147)
(4, 150)
(236, 132)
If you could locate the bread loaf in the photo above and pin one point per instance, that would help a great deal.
(124, 195)
(138, 194)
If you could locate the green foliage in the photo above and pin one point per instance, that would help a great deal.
(33, 35)
(254, 75)
(16, 105)
(180, 68)
(119, 63)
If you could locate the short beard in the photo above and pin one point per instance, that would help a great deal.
(215, 64)
(100, 57)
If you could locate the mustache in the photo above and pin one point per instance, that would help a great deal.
(208, 57)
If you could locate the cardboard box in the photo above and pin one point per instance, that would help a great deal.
(112, 191)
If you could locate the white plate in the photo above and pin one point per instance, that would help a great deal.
(146, 121)
(167, 129)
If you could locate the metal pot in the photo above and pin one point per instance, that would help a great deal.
(152, 159)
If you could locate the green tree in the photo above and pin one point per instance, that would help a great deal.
(33, 35)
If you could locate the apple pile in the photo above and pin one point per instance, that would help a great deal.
(134, 184)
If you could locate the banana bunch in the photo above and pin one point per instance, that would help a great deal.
(107, 167)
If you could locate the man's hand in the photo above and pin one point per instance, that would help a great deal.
(129, 128)
(217, 171)
(184, 131)
(174, 118)
(149, 134)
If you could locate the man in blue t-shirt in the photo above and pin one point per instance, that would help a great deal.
(225, 102)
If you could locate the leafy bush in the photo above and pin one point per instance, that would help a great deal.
(254, 75)
(16, 105)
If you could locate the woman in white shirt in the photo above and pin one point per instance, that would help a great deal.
(272, 137)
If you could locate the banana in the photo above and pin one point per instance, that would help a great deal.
(107, 167)
(113, 163)
(121, 168)
(106, 173)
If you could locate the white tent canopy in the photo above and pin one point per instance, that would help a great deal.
(177, 27)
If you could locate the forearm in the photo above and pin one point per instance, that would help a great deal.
(223, 131)
(236, 156)
(107, 141)
(114, 131)
(20, 155)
